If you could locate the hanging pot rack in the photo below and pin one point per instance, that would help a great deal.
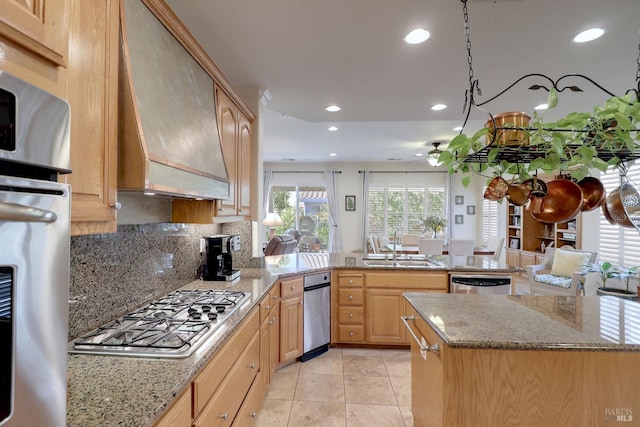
(528, 153)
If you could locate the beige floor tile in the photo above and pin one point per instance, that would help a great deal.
(283, 386)
(407, 415)
(373, 415)
(398, 363)
(293, 367)
(320, 388)
(327, 363)
(370, 366)
(346, 352)
(368, 390)
(402, 390)
(274, 413)
(321, 414)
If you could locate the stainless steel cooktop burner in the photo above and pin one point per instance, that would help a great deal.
(172, 327)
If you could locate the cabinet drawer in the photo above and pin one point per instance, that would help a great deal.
(350, 296)
(213, 374)
(251, 406)
(293, 287)
(350, 279)
(265, 307)
(350, 333)
(351, 315)
(225, 403)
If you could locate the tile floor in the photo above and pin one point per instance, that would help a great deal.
(343, 387)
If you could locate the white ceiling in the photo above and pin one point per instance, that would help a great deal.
(309, 54)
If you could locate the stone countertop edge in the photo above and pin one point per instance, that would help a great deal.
(135, 391)
(462, 334)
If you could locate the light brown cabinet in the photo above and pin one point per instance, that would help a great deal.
(348, 297)
(93, 70)
(269, 335)
(40, 27)
(291, 319)
(385, 304)
(179, 414)
(235, 135)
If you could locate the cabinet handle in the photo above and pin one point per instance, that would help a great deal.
(267, 307)
(300, 302)
(424, 347)
(252, 415)
(351, 334)
(117, 205)
(350, 315)
(293, 288)
(225, 416)
(350, 297)
(270, 322)
(350, 281)
(252, 366)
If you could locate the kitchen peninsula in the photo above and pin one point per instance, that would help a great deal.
(524, 360)
(138, 391)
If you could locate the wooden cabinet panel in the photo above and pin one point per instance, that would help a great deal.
(351, 333)
(384, 309)
(179, 415)
(224, 405)
(527, 258)
(423, 280)
(350, 315)
(350, 279)
(228, 125)
(291, 328)
(291, 287)
(350, 297)
(513, 257)
(251, 406)
(93, 97)
(244, 172)
(39, 26)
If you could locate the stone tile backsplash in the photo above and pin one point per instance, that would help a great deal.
(111, 274)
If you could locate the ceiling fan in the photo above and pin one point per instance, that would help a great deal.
(432, 156)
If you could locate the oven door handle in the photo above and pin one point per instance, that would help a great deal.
(15, 212)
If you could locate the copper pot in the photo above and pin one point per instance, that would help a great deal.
(616, 210)
(562, 202)
(537, 187)
(593, 193)
(606, 214)
(518, 194)
(508, 136)
(496, 189)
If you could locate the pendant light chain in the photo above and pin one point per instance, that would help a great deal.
(467, 34)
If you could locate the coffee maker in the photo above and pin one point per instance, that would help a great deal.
(217, 257)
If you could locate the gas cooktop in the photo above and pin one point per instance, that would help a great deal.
(172, 327)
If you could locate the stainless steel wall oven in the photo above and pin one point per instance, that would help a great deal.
(34, 255)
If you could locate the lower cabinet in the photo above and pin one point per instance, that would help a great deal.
(269, 336)
(179, 415)
(291, 318)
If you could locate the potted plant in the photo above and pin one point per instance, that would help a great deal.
(433, 223)
(576, 143)
(606, 271)
(625, 274)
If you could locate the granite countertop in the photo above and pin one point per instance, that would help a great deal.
(526, 322)
(134, 391)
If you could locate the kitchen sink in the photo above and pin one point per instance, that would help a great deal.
(403, 263)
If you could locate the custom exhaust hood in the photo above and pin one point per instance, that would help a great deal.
(168, 139)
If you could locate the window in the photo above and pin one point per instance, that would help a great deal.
(402, 208)
(617, 244)
(306, 210)
(489, 219)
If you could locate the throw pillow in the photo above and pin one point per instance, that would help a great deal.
(565, 263)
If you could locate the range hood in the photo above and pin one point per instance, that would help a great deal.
(168, 139)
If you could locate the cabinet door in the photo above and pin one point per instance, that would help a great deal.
(228, 125)
(527, 258)
(38, 26)
(274, 341)
(291, 328)
(384, 309)
(93, 91)
(265, 343)
(244, 165)
(179, 415)
(513, 258)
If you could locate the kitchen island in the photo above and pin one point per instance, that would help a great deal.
(137, 391)
(524, 360)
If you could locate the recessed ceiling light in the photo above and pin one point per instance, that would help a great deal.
(418, 155)
(333, 108)
(332, 128)
(417, 36)
(541, 106)
(149, 193)
(332, 155)
(457, 128)
(588, 35)
(438, 107)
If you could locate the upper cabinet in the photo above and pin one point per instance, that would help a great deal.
(39, 26)
(236, 136)
(92, 94)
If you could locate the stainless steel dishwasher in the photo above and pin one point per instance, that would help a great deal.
(317, 315)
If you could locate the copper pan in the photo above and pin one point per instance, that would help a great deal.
(593, 193)
(537, 186)
(616, 210)
(562, 202)
(518, 194)
(606, 214)
(496, 189)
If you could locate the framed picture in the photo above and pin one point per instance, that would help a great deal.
(459, 219)
(349, 203)
(459, 200)
(471, 209)
(514, 243)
